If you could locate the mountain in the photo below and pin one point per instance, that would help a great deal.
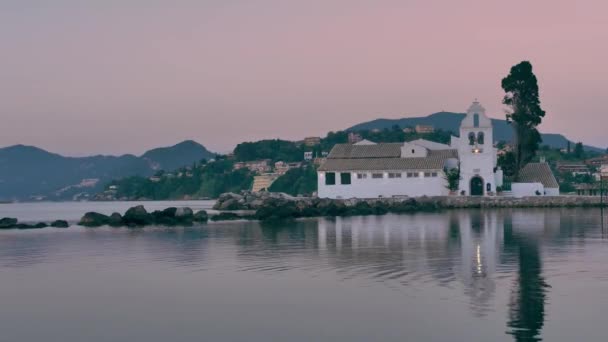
(27, 171)
(176, 156)
(449, 121)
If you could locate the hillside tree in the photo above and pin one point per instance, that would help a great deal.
(522, 96)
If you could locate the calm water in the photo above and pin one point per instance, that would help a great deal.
(504, 275)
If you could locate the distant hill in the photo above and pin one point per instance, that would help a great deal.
(27, 171)
(176, 156)
(449, 121)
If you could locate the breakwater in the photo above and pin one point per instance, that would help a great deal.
(270, 206)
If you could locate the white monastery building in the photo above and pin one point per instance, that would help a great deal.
(417, 168)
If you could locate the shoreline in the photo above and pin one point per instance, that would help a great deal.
(277, 206)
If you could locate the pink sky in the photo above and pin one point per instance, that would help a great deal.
(112, 77)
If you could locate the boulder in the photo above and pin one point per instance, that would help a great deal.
(165, 217)
(201, 216)
(8, 222)
(137, 216)
(115, 220)
(230, 204)
(93, 219)
(184, 214)
(60, 224)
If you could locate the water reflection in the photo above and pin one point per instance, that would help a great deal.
(477, 254)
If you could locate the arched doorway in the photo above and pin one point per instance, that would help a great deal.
(476, 186)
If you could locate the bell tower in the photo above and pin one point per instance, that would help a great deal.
(476, 152)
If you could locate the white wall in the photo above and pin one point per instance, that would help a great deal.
(413, 151)
(383, 187)
(526, 189)
(552, 191)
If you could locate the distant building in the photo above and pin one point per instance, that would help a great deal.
(281, 167)
(408, 130)
(573, 168)
(312, 141)
(258, 166)
(588, 189)
(154, 179)
(597, 161)
(308, 156)
(354, 138)
(424, 129)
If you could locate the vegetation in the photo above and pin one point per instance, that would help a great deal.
(522, 96)
(275, 150)
(298, 181)
(202, 180)
(452, 176)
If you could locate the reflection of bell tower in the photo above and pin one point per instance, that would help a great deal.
(476, 152)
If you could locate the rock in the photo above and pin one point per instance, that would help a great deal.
(184, 214)
(165, 217)
(60, 224)
(225, 217)
(201, 216)
(8, 222)
(93, 219)
(115, 220)
(230, 204)
(137, 216)
(38, 225)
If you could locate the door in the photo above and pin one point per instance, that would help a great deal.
(476, 186)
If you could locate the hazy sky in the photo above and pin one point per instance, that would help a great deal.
(80, 77)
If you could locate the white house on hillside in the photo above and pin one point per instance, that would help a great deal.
(417, 168)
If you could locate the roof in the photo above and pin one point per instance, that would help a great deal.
(431, 145)
(386, 150)
(538, 173)
(382, 157)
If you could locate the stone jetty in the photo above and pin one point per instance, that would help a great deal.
(271, 206)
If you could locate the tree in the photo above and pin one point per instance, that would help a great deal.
(507, 164)
(452, 176)
(522, 96)
(579, 151)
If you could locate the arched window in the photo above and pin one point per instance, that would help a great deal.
(480, 138)
(475, 120)
(471, 138)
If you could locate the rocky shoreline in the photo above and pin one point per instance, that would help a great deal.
(278, 206)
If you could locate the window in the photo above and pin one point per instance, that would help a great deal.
(480, 138)
(330, 178)
(427, 174)
(361, 175)
(377, 175)
(413, 151)
(345, 178)
(412, 174)
(475, 120)
(433, 174)
(471, 138)
(394, 175)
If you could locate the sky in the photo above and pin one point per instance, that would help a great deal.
(123, 76)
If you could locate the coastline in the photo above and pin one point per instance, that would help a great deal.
(266, 206)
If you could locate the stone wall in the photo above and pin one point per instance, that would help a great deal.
(255, 201)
